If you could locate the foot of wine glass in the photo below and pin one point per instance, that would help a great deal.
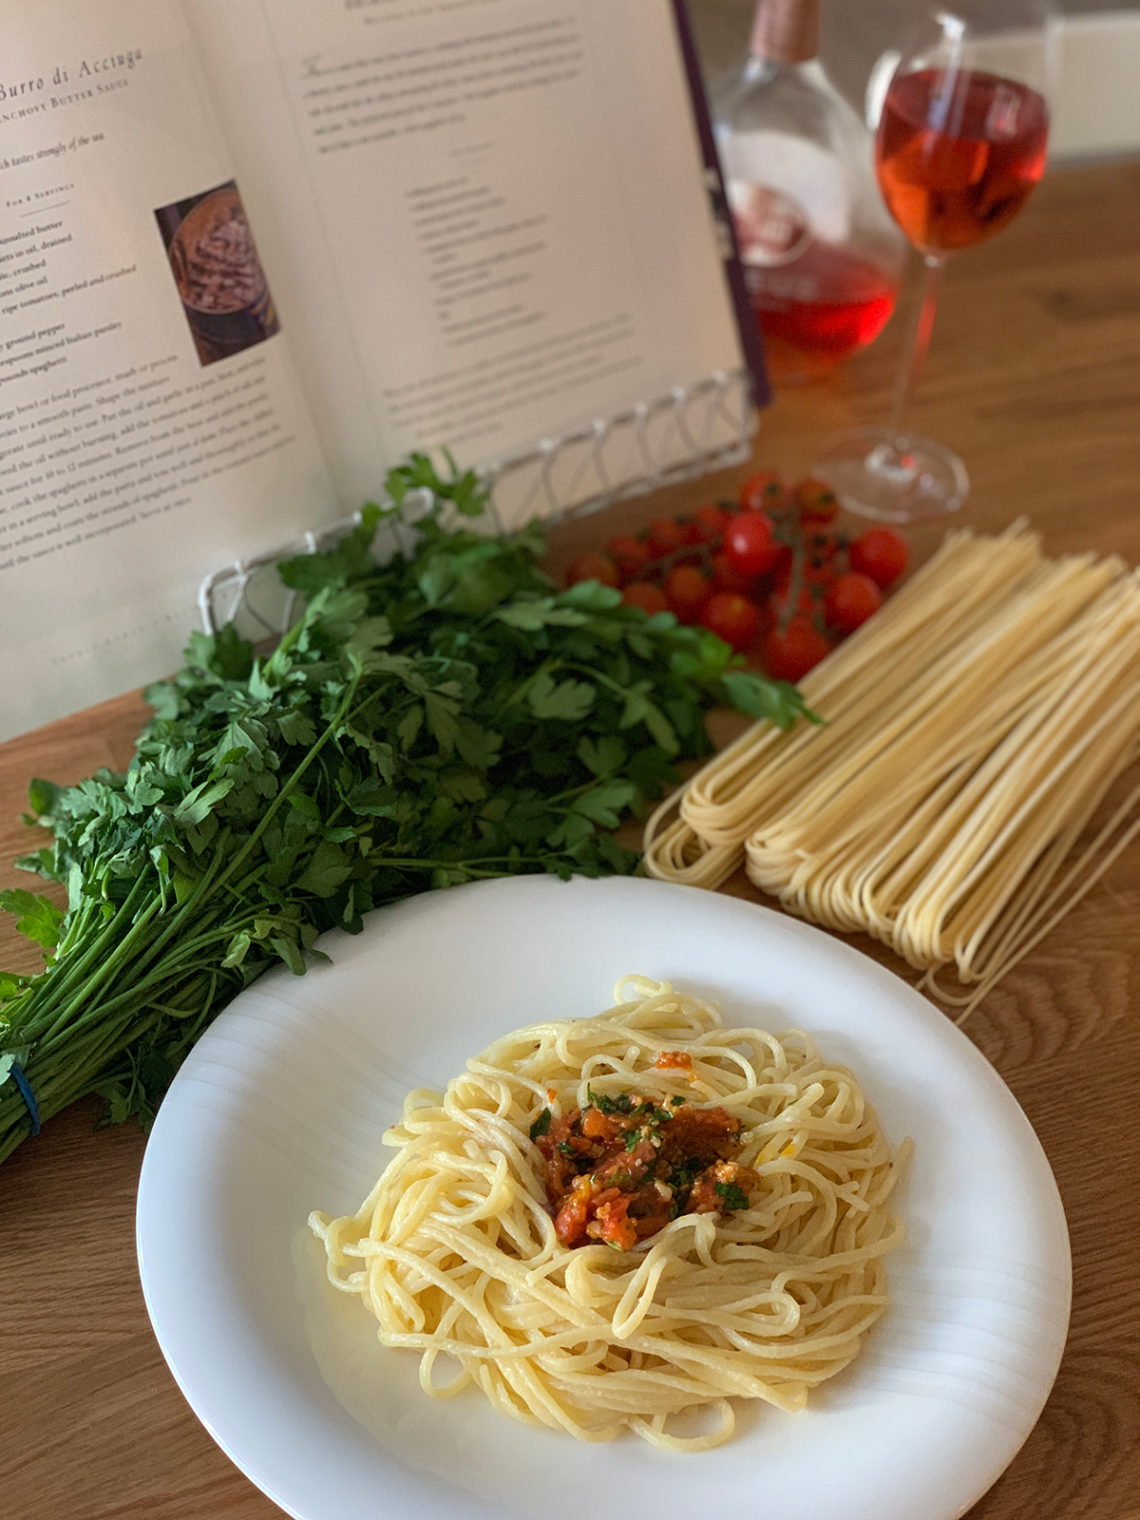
(886, 472)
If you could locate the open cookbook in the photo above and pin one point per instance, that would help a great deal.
(252, 254)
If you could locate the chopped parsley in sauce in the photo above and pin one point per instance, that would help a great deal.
(620, 1169)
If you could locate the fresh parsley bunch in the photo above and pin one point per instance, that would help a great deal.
(444, 717)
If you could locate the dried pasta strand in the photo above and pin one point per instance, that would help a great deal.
(673, 849)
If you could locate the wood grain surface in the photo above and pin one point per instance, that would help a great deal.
(1034, 375)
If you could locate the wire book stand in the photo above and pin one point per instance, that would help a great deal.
(682, 434)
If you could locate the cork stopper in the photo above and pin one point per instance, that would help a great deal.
(786, 30)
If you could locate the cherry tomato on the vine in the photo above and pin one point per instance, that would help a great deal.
(686, 590)
(750, 544)
(646, 595)
(851, 601)
(593, 567)
(712, 521)
(764, 491)
(821, 547)
(629, 554)
(726, 577)
(731, 617)
(665, 536)
(774, 575)
(790, 652)
(807, 600)
(881, 554)
(816, 501)
(816, 576)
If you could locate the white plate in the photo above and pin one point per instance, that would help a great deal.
(279, 1110)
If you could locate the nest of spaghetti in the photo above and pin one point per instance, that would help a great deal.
(975, 775)
(759, 1279)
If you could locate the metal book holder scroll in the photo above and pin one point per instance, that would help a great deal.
(681, 435)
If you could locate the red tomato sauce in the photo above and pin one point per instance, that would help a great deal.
(679, 1060)
(620, 1169)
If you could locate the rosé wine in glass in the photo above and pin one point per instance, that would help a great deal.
(957, 155)
(960, 145)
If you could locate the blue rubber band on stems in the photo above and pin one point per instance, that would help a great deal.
(16, 1072)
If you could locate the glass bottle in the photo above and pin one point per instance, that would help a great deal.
(822, 258)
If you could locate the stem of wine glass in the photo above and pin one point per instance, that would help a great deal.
(919, 342)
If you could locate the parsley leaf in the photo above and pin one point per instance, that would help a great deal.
(732, 1196)
(37, 917)
(622, 1104)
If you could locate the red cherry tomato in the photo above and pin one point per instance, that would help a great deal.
(630, 555)
(687, 591)
(764, 491)
(593, 567)
(783, 565)
(726, 577)
(665, 536)
(790, 652)
(646, 595)
(816, 502)
(820, 547)
(851, 601)
(731, 617)
(881, 554)
(712, 521)
(749, 543)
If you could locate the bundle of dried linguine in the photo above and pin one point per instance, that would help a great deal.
(975, 729)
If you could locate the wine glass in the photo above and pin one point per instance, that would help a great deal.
(960, 145)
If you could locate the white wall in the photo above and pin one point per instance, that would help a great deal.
(1098, 109)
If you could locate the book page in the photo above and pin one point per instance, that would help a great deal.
(151, 427)
(489, 216)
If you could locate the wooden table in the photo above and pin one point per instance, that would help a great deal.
(1034, 376)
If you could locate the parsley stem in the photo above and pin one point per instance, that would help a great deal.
(70, 969)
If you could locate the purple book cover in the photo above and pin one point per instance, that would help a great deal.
(734, 273)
